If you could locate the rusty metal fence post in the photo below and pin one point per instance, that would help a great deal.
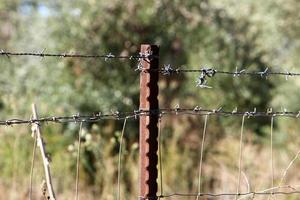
(148, 124)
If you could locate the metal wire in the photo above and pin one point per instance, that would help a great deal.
(120, 160)
(240, 158)
(233, 194)
(78, 162)
(272, 157)
(221, 112)
(210, 72)
(288, 167)
(70, 55)
(32, 165)
(136, 113)
(168, 70)
(160, 157)
(70, 119)
(201, 155)
(220, 194)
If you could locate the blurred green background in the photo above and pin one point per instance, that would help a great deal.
(224, 34)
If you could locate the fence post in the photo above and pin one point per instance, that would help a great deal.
(148, 124)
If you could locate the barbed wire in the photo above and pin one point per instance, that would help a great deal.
(219, 111)
(158, 112)
(70, 119)
(210, 72)
(42, 54)
(168, 70)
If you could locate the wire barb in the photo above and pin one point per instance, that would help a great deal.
(143, 56)
(238, 73)
(167, 70)
(264, 73)
(201, 80)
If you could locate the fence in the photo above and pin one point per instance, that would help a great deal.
(149, 115)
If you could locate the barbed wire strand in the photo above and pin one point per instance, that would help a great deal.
(240, 158)
(120, 160)
(136, 113)
(168, 70)
(70, 55)
(78, 162)
(71, 119)
(220, 112)
(160, 157)
(205, 73)
(271, 155)
(32, 165)
(201, 155)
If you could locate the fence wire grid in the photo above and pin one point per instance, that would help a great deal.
(168, 70)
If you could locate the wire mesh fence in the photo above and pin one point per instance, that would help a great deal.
(204, 73)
